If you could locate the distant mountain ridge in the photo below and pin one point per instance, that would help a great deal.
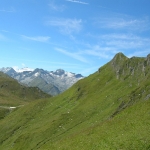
(51, 82)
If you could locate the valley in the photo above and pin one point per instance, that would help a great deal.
(107, 110)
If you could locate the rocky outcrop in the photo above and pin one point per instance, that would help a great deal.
(124, 66)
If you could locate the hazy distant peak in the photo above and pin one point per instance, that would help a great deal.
(119, 56)
(59, 72)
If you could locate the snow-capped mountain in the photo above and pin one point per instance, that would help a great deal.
(52, 82)
(10, 71)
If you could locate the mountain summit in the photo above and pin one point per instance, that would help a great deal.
(124, 66)
(51, 82)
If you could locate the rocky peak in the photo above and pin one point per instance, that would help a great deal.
(124, 66)
(41, 71)
(59, 72)
(118, 61)
(78, 76)
(119, 57)
(8, 70)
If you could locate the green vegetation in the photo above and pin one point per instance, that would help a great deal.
(107, 110)
(13, 94)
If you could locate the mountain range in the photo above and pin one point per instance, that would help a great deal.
(51, 82)
(108, 110)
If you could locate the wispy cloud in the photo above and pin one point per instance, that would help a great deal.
(11, 10)
(124, 22)
(110, 44)
(142, 53)
(74, 55)
(23, 68)
(125, 41)
(66, 26)
(75, 1)
(2, 37)
(45, 62)
(56, 7)
(4, 31)
(52, 65)
(100, 51)
(89, 69)
(37, 38)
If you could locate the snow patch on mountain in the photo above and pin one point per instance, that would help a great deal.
(36, 74)
(69, 74)
(60, 79)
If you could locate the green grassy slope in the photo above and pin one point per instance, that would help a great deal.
(107, 110)
(13, 94)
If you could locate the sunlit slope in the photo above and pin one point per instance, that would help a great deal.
(107, 110)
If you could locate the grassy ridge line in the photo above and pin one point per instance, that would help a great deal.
(14, 94)
(93, 114)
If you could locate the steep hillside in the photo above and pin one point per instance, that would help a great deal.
(44, 86)
(13, 94)
(107, 110)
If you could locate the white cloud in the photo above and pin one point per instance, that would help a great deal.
(75, 1)
(17, 69)
(37, 38)
(66, 26)
(125, 41)
(100, 51)
(119, 21)
(55, 7)
(108, 45)
(72, 54)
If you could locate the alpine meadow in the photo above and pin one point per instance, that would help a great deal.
(108, 110)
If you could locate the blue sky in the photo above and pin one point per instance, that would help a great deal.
(77, 36)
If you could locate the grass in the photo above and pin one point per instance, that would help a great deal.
(13, 94)
(107, 110)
